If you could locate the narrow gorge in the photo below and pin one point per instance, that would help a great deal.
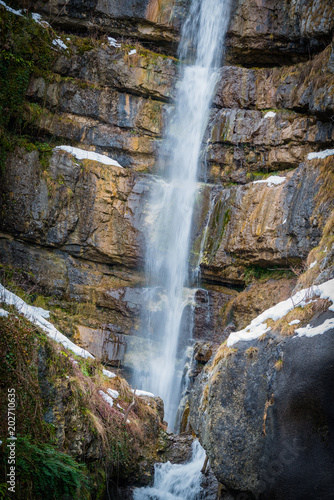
(167, 249)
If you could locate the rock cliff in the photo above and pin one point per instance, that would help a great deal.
(103, 81)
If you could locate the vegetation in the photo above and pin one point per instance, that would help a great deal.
(54, 386)
(251, 352)
(45, 473)
(223, 352)
(25, 50)
(261, 274)
(279, 364)
(303, 314)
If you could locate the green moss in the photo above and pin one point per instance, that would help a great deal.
(258, 273)
(47, 473)
(218, 224)
(25, 50)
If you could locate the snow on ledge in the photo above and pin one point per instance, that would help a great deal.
(38, 316)
(38, 19)
(310, 331)
(82, 154)
(113, 393)
(143, 393)
(107, 398)
(57, 42)
(258, 326)
(320, 154)
(3, 313)
(270, 114)
(273, 180)
(113, 42)
(294, 322)
(16, 12)
(108, 374)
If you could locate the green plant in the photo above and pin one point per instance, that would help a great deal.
(279, 364)
(47, 473)
(25, 49)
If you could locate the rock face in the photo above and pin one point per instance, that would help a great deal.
(71, 205)
(264, 415)
(269, 32)
(149, 20)
(78, 226)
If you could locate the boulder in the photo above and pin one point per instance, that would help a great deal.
(264, 414)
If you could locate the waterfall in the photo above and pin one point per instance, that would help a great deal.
(176, 481)
(171, 203)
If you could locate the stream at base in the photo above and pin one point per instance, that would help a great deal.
(176, 481)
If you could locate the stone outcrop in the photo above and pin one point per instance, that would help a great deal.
(264, 415)
(264, 225)
(72, 205)
(149, 20)
(77, 227)
(265, 32)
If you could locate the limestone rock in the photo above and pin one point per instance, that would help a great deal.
(304, 87)
(265, 32)
(143, 73)
(145, 19)
(105, 344)
(264, 225)
(267, 427)
(86, 208)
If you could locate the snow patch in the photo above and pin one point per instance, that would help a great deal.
(113, 393)
(3, 313)
(294, 322)
(82, 154)
(310, 331)
(16, 12)
(273, 180)
(113, 42)
(37, 315)
(143, 393)
(109, 374)
(57, 42)
(35, 17)
(258, 326)
(38, 19)
(320, 154)
(313, 264)
(270, 114)
(107, 398)
(133, 51)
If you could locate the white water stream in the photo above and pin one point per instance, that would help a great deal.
(176, 481)
(172, 202)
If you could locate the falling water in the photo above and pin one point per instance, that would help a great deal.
(172, 201)
(176, 481)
